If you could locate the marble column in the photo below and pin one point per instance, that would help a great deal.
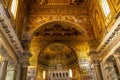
(24, 61)
(104, 73)
(94, 74)
(11, 75)
(3, 69)
(117, 59)
(18, 75)
(98, 70)
(110, 71)
(24, 72)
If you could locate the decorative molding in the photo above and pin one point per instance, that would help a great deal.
(109, 44)
(25, 63)
(8, 32)
(58, 9)
(115, 31)
(25, 55)
(3, 52)
(57, 30)
(5, 58)
(78, 15)
(96, 62)
(80, 22)
(10, 35)
(5, 49)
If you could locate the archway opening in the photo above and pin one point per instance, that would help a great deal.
(57, 47)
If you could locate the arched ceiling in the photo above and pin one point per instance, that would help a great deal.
(61, 38)
(58, 27)
(39, 14)
(57, 53)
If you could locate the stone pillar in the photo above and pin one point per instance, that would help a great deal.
(24, 60)
(98, 70)
(18, 75)
(11, 70)
(94, 74)
(3, 69)
(110, 70)
(104, 73)
(117, 59)
(24, 70)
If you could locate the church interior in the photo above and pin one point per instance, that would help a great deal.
(59, 39)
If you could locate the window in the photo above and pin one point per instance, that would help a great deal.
(66, 74)
(70, 72)
(105, 7)
(14, 6)
(44, 74)
(54, 75)
(0, 58)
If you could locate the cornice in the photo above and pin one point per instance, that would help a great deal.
(5, 49)
(109, 44)
(61, 38)
(58, 6)
(57, 9)
(111, 47)
(8, 32)
(113, 33)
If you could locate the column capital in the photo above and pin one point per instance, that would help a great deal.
(95, 62)
(116, 54)
(93, 53)
(25, 54)
(18, 64)
(24, 62)
(24, 59)
(3, 70)
(5, 58)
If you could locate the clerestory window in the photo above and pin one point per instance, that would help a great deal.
(105, 7)
(14, 6)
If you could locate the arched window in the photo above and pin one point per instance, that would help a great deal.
(70, 72)
(105, 7)
(66, 74)
(0, 59)
(44, 74)
(60, 75)
(14, 6)
(54, 75)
